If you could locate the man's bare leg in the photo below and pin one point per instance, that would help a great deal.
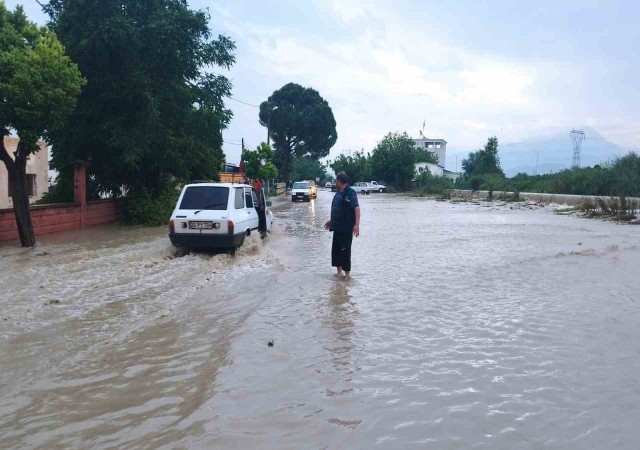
(347, 276)
(338, 272)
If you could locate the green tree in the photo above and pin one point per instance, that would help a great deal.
(424, 155)
(300, 122)
(258, 163)
(153, 107)
(39, 86)
(393, 160)
(356, 165)
(308, 168)
(484, 161)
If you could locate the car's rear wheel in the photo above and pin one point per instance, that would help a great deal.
(364, 192)
(380, 190)
(181, 251)
(293, 198)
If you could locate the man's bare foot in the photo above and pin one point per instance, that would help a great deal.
(347, 276)
(338, 274)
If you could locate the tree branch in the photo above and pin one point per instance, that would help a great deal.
(4, 154)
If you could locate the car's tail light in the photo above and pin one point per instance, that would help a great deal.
(231, 227)
(172, 227)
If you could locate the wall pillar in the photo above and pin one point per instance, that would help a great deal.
(80, 189)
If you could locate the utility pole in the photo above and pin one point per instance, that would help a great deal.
(242, 144)
(537, 155)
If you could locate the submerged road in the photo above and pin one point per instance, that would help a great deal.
(465, 326)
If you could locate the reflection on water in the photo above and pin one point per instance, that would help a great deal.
(464, 327)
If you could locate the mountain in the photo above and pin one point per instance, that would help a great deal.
(555, 153)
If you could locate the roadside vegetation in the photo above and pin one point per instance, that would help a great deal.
(39, 87)
(392, 162)
(620, 177)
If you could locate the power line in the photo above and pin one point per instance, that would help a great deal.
(244, 103)
(231, 143)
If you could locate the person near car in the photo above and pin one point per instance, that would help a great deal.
(260, 208)
(345, 224)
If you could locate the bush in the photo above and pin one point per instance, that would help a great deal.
(434, 185)
(140, 208)
(60, 192)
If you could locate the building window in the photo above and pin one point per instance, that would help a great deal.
(31, 185)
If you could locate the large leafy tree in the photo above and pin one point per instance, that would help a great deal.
(393, 160)
(300, 122)
(484, 161)
(258, 163)
(308, 168)
(424, 155)
(39, 85)
(153, 106)
(356, 165)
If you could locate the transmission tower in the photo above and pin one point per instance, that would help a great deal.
(577, 136)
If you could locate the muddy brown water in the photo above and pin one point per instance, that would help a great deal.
(465, 326)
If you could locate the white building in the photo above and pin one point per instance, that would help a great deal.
(435, 146)
(433, 169)
(37, 173)
(439, 148)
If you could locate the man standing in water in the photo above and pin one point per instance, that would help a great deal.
(345, 224)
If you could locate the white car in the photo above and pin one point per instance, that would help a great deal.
(313, 188)
(301, 191)
(363, 187)
(217, 215)
(378, 187)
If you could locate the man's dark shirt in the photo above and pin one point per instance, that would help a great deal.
(343, 216)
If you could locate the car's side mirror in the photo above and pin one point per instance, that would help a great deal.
(269, 204)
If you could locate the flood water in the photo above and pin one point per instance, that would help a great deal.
(465, 326)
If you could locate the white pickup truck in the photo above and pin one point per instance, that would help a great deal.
(378, 187)
(367, 187)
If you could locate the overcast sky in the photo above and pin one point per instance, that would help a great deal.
(470, 69)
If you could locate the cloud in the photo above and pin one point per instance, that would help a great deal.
(474, 125)
(495, 84)
(379, 74)
(350, 10)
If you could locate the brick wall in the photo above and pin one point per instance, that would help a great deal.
(55, 218)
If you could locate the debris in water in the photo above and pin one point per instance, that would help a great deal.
(42, 254)
(270, 343)
(55, 301)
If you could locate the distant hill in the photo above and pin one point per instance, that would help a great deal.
(555, 153)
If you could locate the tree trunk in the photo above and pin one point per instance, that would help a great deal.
(17, 178)
(22, 211)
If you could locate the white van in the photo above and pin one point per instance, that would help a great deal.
(217, 216)
(301, 191)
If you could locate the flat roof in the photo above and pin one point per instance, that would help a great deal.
(430, 139)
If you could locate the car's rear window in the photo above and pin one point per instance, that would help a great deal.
(205, 197)
(301, 185)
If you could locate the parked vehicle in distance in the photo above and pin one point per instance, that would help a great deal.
(217, 215)
(378, 187)
(313, 189)
(327, 185)
(363, 187)
(334, 188)
(301, 191)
